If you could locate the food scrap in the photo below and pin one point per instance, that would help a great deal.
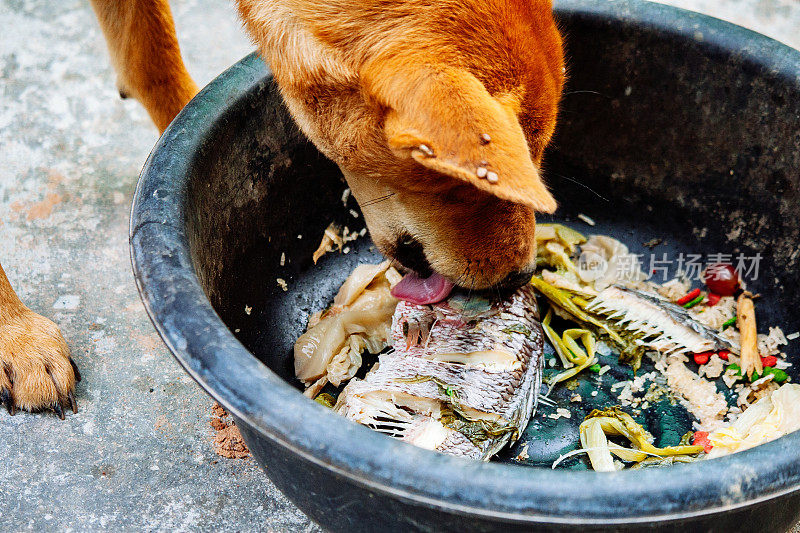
(673, 324)
(462, 377)
(773, 416)
(337, 237)
(750, 360)
(359, 319)
(594, 432)
(332, 237)
(460, 373)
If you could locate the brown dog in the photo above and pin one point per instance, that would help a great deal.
(437, 113)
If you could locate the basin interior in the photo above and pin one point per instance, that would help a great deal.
(662, 135)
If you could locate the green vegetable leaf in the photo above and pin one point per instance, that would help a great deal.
(326, 399)
(517, 327)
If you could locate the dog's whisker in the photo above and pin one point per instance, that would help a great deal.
(461, 277)
(377, 200)
(570, 93)
(471, 286)
(573, 180)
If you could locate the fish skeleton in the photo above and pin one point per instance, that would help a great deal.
(659, 323)
(463, 376)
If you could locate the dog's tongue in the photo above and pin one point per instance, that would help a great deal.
(421, 291)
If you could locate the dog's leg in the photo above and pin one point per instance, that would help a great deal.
(143, 47)
(36, 371)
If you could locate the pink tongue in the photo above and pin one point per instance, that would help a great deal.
(421, 291)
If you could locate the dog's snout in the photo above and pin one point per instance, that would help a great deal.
(517, 279)
(410, 253)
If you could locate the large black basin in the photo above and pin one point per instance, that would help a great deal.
(672, 121)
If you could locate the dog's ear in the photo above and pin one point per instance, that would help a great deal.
(445, 119)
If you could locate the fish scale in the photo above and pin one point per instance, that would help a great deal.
(476, 388)
(468, 408)
(451, 335)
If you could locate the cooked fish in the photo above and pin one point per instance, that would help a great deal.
(462, 379)
(658, 323)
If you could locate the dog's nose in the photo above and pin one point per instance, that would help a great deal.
(410, 253)
(517, 279)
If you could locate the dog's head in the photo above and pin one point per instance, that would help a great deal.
(438, 114)
(459, 186)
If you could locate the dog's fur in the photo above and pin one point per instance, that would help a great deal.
(437, 113)
(404, 96)
(36, 371)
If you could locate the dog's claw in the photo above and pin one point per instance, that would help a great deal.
(75, 369)
(8, 401)
(73, 403)
(59, 411)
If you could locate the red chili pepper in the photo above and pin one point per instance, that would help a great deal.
(723, 354)
(769, 360)
(702, 358)
(713, 299)
(689, 297)
(700, 438)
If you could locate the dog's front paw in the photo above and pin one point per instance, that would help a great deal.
(36, 371)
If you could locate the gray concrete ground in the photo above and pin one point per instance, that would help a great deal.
(138, 456)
